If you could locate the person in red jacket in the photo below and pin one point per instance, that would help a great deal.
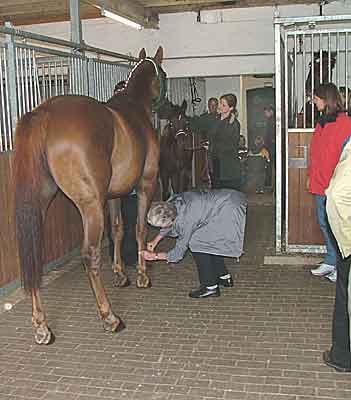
(332, 130)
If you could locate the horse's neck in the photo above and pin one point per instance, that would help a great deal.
(140, 92)
(325, 73)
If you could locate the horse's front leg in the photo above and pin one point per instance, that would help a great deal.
(145, 194)
(121, 279)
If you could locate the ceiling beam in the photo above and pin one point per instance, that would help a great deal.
(129, 9)
(35, 13)
(171, 6)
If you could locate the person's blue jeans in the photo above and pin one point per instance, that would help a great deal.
(332, 248)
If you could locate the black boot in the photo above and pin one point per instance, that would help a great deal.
(226, 282)
(204, 292)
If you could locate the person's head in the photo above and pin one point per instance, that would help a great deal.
(268, 111)
(259, 141)
(227, 104)
(242, 141)
(120, 85)
(212, 105)
(161, 214)
(327, 99)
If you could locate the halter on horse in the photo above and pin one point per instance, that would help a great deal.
(93, 152)
(176, 152)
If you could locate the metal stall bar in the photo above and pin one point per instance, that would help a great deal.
(278, 105)
(346, 71)
(3, 101)
(65, 43)
(9, 103)
(37, 73)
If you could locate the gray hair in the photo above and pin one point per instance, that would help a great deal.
(161, 214)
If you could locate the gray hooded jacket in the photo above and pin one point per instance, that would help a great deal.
(210, 222)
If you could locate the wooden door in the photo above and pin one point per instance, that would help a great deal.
(302, 225)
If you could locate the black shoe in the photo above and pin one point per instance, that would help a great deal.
(228, 282)
(204, 292)
(328, 361)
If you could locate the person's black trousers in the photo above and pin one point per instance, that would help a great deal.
(210, 267)
(227, 184)
(340, 352)
(129, 246)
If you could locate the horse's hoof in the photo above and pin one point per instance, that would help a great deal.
(121, 281)
(44, 335)
(120, 326)
(113, 324)
(126, 283)
(143, 282)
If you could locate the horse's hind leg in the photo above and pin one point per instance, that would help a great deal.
(93, 224)
(176, 182)
(42, 332)
(121, 279)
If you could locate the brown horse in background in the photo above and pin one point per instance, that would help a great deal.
(93, 152)
(176, 146)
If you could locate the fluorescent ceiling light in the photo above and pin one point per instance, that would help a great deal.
(118, 18)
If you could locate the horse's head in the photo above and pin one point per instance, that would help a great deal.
(166, 109)
(321, 66)
(177, 121)
(147, 80)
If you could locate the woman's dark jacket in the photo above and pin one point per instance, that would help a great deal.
(224, 147)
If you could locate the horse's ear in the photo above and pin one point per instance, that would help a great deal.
(142, 54)
(184, 106)
(159, 56)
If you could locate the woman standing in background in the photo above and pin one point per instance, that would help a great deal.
(224, 145)
(332, 130)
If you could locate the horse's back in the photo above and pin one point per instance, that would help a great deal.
(76, 134)
(69, 118)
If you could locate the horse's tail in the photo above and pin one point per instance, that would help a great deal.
(30, 172)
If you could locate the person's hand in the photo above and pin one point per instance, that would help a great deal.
(308, 183)
(149, 255)
(151, 245)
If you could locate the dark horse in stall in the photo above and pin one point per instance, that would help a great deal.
(322, 72)
(94, 152)
(176, 152)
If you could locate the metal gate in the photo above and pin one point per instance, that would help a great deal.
(31, 73)
(308, 51)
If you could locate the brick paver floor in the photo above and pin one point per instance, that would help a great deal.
(261, 340)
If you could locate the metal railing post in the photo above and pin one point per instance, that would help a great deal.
(11, 73)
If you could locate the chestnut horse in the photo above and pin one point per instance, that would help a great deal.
(93, 152)
(176, 145)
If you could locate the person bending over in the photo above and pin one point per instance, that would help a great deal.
(211, 224)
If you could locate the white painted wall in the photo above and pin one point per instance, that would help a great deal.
(217, 86)
(230, 42)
